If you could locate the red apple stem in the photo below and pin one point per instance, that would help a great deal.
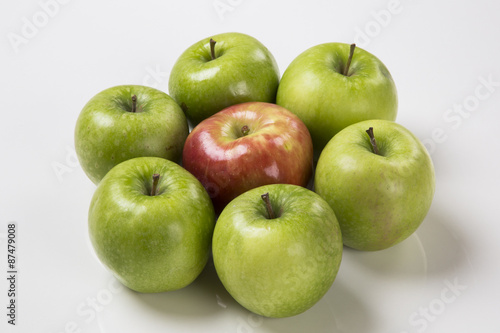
(351, 53)
(245, 130)
(134, 103)
(156, 178)
(212, 48)
(372, 140)
(269, 208)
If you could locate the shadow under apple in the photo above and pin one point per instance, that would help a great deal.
(342, 309)
(204, 297)
(435, 248)
(446, 247)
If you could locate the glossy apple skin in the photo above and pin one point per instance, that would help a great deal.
(151, 243)
(314, 88)
(107, 133)
(379, 200)
(244, 70)
(277, 267)
(277, 149)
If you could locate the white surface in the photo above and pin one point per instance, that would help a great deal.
(439, 53)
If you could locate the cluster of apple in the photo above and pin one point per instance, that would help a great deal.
(236, 186)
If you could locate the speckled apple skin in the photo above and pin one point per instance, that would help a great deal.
(107, 133)
(379, 200)
(283, 266)
(244, 70)
(151, 243)
(315, 89)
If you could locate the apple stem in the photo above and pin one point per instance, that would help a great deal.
(212, 48)
(351, 53)
(372, 140)
(245, 130)
(134, 103)
(156, 177)
(269, 208)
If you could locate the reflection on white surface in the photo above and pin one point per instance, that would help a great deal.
(206, 306)
(379, 287)
(398, 287)
(92, 251)
(406, 260)
(449, 274)
(447, 248)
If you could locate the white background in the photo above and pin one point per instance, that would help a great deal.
(442, 279)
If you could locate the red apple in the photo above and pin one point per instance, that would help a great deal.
(248, 145)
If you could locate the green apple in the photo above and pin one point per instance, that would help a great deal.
(151, 224)
(331, 86)
(128, 121)
(277, 249)
(379, 182)
(221, 71)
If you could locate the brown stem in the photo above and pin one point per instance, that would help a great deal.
(245, 130)
(212, 48)
(351, 53)
(134, 103)
(372, 140)
(156, 177)
(269, 208)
